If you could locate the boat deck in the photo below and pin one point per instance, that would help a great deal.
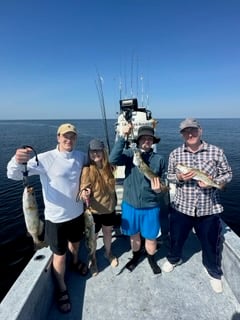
(184, 294)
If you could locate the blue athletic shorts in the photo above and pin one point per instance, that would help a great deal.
(145, 221)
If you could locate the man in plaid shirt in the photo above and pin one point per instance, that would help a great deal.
(196, 204)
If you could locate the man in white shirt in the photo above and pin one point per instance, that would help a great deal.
(59, 170)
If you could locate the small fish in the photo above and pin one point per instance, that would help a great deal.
(30, 210)
(199, 176)
(90, 236)
(145, 170)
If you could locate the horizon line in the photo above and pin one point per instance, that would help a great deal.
(58, 119)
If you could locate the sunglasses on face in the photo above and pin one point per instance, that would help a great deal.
(190, 131)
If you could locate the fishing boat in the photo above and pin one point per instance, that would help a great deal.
(183, 294)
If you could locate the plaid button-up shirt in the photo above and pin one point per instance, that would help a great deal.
(191, 199)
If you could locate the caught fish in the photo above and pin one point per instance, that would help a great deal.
(90, 236)
(199, 176)
(145, 170)
(33, 223)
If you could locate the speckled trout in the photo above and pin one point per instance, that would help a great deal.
(199, 176)
(30, 210)
(90, 236)
(145, 170)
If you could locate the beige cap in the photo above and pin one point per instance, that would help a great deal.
(66, 127)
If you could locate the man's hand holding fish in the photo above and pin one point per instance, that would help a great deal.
(23, 155)
(182, 177)
(156, 185)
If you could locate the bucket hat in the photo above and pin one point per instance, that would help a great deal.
(147, 131)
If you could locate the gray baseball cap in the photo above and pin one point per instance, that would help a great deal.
(96, 144)
(189, 123)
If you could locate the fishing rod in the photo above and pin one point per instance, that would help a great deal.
(131, 85)
(137, 79)
(103, 108)
(25, 172)
(120, 89)
(142, 91)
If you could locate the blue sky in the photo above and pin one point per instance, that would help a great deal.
(181, 58)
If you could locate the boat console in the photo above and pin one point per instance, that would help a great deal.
(130, 112)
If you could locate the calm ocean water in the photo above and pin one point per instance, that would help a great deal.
(16, 247)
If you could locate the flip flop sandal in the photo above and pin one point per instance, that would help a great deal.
(80, 267)
(63, 301)
(94, 269)
(112, 260)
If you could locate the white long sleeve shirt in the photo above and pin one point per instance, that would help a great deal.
(59, 175)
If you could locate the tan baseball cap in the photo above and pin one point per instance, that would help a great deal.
(66, 127)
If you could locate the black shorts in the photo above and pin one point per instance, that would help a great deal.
(106, 219)
(58, 234)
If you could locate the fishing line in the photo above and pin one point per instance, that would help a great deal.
(25, 172)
